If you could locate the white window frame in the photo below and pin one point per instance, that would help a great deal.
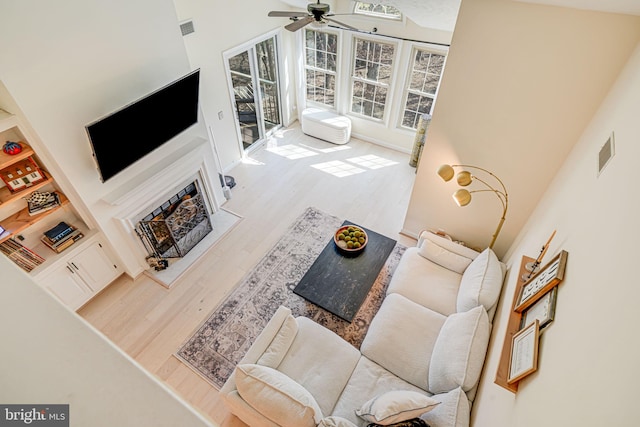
(392, 80)
(376, 14)
(415, 47)
(336, 73)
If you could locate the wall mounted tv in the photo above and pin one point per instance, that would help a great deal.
(125, 136)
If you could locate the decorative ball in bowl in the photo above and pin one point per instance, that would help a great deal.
(350, 238)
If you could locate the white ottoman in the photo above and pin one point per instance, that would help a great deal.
(326, 125)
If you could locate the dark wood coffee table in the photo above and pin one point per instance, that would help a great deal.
(340, 282)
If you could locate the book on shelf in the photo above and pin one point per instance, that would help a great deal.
(24, 257)
(63, 244)
(61, 237)
(59, 232)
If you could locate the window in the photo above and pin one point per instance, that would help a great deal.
(378, 10)
(422, 86)
(321, 50)
(371, 77)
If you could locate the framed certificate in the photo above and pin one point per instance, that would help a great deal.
(546, 279)
(524, 353)
(543, 310)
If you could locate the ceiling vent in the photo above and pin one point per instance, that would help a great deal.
(187, 28)
(606, 153)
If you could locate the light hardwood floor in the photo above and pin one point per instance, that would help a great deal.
(361, 182)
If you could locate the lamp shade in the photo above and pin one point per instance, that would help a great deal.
(445, 172)
(464, 178)
(462, 197)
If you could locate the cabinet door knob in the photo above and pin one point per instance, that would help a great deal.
(71, 270)
(75, 266)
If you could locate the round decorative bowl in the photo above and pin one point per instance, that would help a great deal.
(350, 238)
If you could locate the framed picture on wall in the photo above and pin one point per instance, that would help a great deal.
(524, 353)
(543, 310)
(545, 280)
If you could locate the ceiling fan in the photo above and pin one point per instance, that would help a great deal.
(316, 12)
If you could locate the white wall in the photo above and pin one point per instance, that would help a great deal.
(73, 62)
(50, 355)
(588, 359)
(520, 84)
(219, 26)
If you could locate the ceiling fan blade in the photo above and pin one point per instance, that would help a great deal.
(296, 25)
(285, 14)
(340, 23)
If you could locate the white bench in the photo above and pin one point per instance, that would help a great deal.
(326, 125)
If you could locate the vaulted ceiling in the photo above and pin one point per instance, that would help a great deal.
(442, 14)
(629, 7)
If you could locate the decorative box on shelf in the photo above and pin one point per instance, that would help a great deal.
(22, 174)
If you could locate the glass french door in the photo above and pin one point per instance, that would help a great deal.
(257, 111)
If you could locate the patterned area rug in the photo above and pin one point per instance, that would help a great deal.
(223, 339)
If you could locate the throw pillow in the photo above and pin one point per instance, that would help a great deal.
(395, 406)
(276, 396)
(481, 282)
(444, 257)
(459, 352)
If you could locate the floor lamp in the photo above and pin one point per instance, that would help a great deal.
(462, 196)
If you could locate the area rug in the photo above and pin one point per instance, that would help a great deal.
(223, 339)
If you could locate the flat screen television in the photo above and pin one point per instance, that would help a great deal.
(125, 136)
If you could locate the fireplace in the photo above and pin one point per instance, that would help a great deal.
(173, 228)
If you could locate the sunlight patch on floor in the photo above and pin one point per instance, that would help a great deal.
(291, 151)
(372, 161)
(338, 168)
(330, 149)
(253, 162)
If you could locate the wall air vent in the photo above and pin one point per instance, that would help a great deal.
(187, 27)
(606, 153)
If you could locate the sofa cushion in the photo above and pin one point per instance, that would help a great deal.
(459, 352)
(277, 396)
(401, 338)
(336, 422)
(425, 282)
(481, 282)
(320, 361)
(368, 381)
(453, 411)
(444, 257)
(396, 406)
(280, 344)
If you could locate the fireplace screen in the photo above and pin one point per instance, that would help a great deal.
(174, 228)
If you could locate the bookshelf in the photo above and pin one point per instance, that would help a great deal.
(19, 226)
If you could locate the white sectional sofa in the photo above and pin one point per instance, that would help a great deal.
(422, 355)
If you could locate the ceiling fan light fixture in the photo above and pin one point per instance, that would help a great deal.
(318, 25)
(318, 15)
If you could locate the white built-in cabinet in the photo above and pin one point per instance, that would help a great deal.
(77, 273)
(81, 273)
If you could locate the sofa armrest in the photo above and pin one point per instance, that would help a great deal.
(447, 244)
(260, 345)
